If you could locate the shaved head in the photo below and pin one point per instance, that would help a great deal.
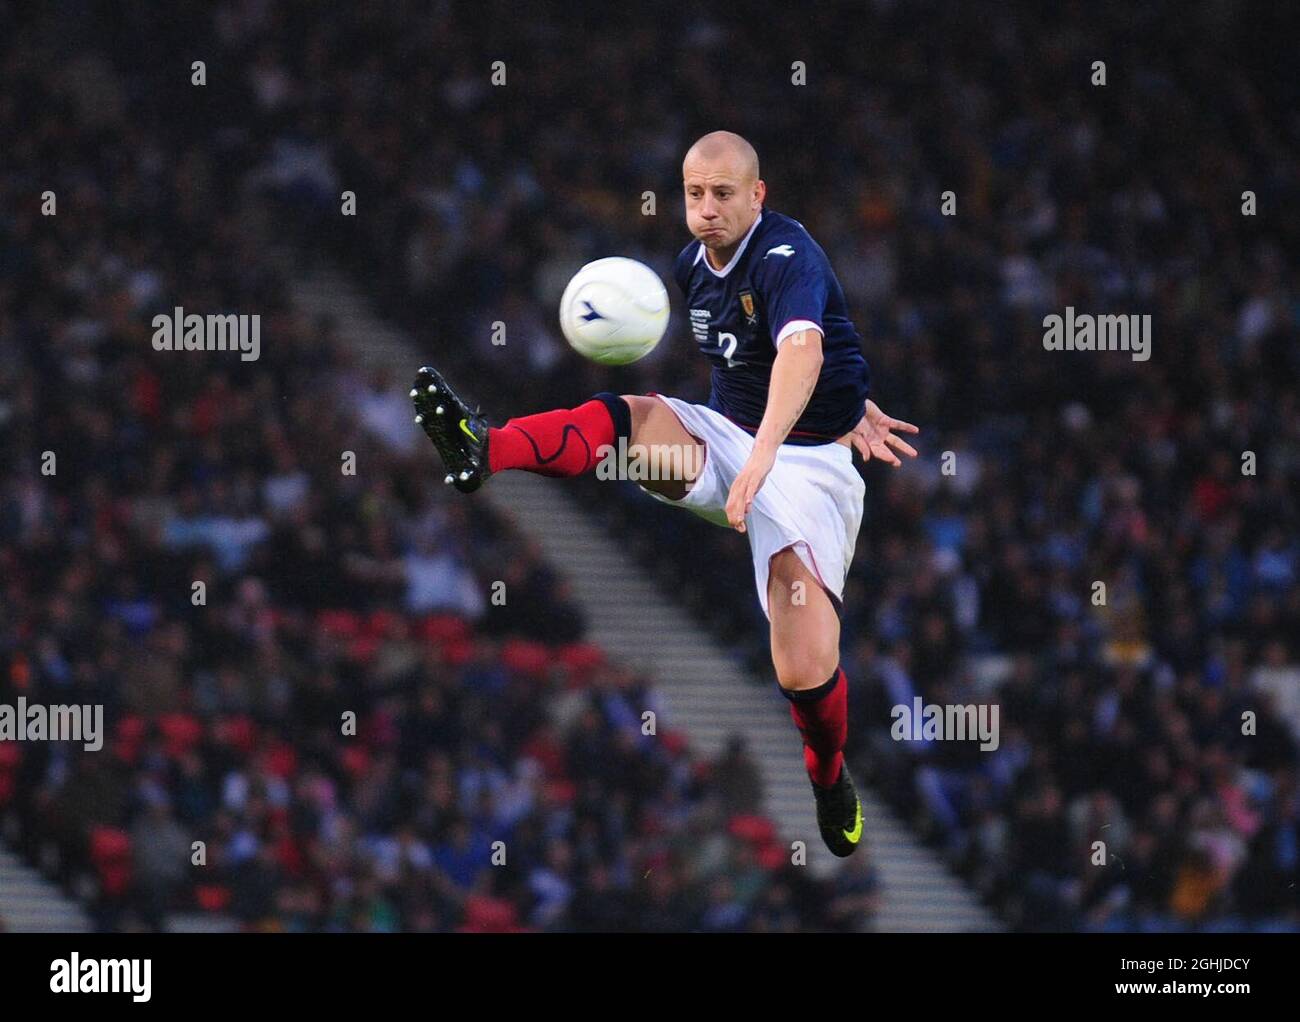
(725, 147)
(724, 194)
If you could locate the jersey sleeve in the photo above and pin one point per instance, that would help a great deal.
(792, 280)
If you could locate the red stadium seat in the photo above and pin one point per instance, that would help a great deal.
(757, 830)
(580, 661)
(110, 854)
(457, 652)
(282, 761)
(675, 742)
(339, 623)
(131, 733)
(212, 897)
(383, 624)
(561, 792)
(238, 732)
(489, 915)
(180, 732)
(363, 648)
(531, 659)
(355, 760)
(772, 856)
(441, 629)
(10, 757)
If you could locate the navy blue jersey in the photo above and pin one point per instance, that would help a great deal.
(778, 282)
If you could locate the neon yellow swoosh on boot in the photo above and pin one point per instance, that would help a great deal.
(467, 431)
(854, 835)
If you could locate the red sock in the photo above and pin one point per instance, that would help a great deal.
(822, 716)
(563, 442)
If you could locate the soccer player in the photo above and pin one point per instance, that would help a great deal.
(770, 455)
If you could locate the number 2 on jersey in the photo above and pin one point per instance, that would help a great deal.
(727, 342)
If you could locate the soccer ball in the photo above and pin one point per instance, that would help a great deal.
(614, 311)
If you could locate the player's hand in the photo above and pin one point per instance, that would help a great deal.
(746, 486)
(873, 437)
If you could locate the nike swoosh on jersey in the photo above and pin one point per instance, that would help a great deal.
(781, 250)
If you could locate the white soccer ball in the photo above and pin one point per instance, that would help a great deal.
(614, 311)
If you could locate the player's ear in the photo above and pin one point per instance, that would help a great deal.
(760, 193)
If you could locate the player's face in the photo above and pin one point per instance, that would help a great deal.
(721, 203)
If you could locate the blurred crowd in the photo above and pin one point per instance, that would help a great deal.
(975, 574)
(317, 717)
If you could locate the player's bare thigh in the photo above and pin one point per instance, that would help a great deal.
(655, 425)
(805, 627)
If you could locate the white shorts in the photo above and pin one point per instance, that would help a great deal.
(811, 500)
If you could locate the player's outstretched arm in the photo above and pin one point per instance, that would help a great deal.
(794, 375)
(874, 436)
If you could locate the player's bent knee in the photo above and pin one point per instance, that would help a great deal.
(805, 650)
(668, 458)
(804, 668)
(653, 422)
(641, 407)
